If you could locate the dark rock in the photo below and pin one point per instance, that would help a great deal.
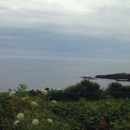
(118, 76)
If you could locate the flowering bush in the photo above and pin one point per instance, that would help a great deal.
(30, 116)
(104, 114)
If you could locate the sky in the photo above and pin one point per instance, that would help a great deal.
(86, 29)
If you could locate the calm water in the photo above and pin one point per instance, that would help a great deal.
(55, 73)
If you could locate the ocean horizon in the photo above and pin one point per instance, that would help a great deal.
(56, 73)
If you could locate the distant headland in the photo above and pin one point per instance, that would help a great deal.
(117, 76)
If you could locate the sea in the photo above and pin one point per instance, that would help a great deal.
(56, 73)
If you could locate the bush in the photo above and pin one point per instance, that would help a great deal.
(125, 89)
(97, 115)
(83, 87)
(32, 107)
(114, 87)
(105, 114)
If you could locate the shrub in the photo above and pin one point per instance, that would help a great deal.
(83, 87)
(114, 87)
(125, 89)
(17, 113)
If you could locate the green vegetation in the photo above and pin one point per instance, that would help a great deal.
(87, 86)
(21, 111)
(22, 87)
(83, 87)
(117, 87)
(96, 115)
(79, 107)
(90, 91)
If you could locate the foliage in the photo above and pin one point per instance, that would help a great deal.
(114, 87)
(125, 89)
(98, 115)
(107, 114)
(33, 107)
(90, 91)
(117, 87)
(71, 96)
(83, 86)
(22, 87)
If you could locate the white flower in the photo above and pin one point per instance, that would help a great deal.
(54, 101)
(33, 103)
(37, 89)
(20, 116)
(24, 98)
(16, 122)
(50, 120)
(12, 93)
(35, 122)
(44, 92)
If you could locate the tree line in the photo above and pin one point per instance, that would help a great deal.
(86, 86)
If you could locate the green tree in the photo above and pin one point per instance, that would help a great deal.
(83, 87)
(125, 89)
(114, 87)
(22, 87)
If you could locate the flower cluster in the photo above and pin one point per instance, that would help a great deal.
(16, 122)
(12, 93)
(54, 101)
(44, 92)
(24, 98)
(20, 116)
(35, 121)
(37, 90)
(33, 103)
(50, 120)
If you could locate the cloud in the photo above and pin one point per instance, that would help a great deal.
(64, 28)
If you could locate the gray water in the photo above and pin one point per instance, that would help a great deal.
(55, 73)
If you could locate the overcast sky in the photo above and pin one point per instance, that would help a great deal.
(88, 29)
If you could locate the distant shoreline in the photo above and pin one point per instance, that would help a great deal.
(117, 76)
